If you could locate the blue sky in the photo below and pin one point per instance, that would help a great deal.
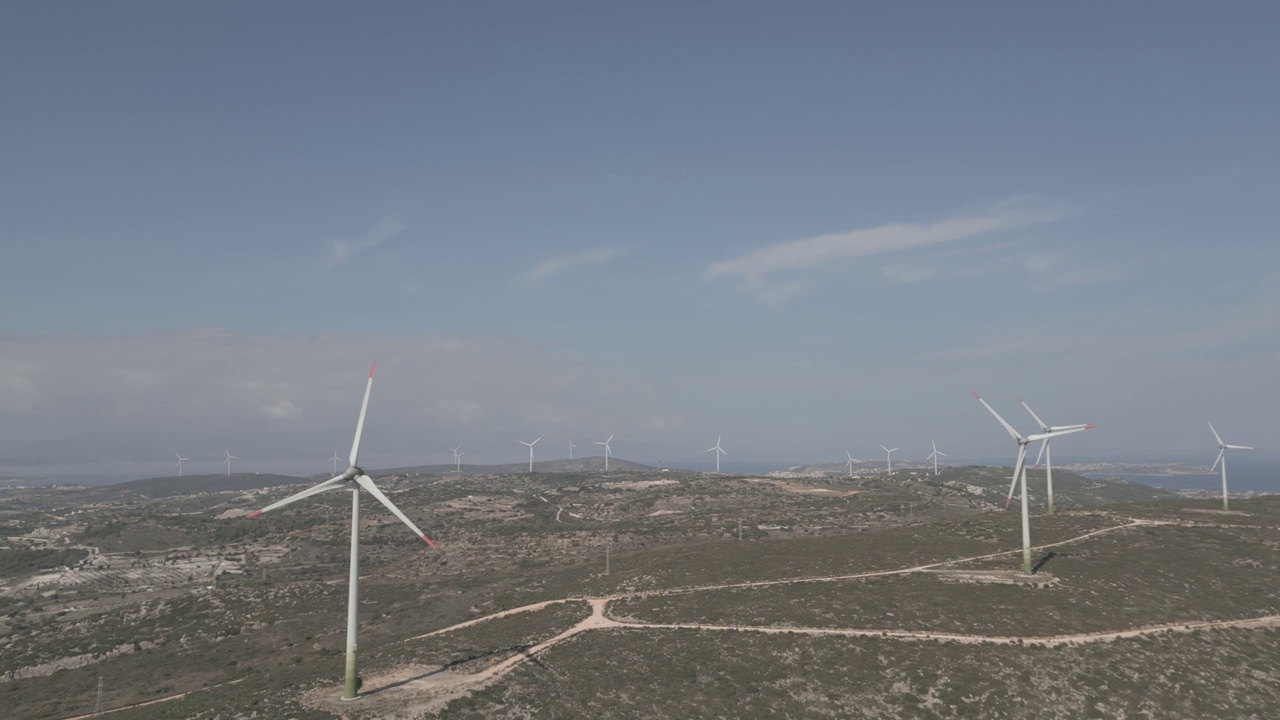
(810, 227)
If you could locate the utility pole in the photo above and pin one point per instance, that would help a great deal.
(739, 529)
(97, 708)
(606, 559)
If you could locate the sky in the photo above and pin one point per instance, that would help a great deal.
(809, 227)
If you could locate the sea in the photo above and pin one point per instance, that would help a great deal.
(1262, 476)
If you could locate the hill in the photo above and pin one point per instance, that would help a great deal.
(644, 594)
(164, 487)
(576, 465)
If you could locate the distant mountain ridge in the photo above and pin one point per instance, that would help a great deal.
(563, 465)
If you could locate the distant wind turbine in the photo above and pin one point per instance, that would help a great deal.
(335, 460)
(457, 459)
(850, 463)
(1020, 469)
(535, 442)
(180, 461)
(227, 462)
(1044, 450)
(719, 451)
(607, 451)
(1222, 460)
(934, 456)
(353, 478)
(888, 455)
(571, 447)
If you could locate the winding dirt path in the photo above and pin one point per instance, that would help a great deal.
(453, 683)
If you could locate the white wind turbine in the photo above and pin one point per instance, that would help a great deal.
(335, 460)
(719, 451)
(571, 447)
(457, 459)
(888, 455)
(849, 464)
(180, 461)
(227, 462)
(1020, 469)
(1222, 460)
(535, 442)
(352, 479)
(934, 456)
(608, 453)
(1044, 451)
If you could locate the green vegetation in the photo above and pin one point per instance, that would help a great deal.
(19, 561)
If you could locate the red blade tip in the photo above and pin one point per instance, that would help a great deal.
(371, 367)
(433, 545)
(1006, 503)
(254, 514)
(975, 394)
(1090, 426)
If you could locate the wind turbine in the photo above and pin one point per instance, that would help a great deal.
(352, 479)
(719, 451)
(571, 447)
(850, 463)
(457, 459)
(934, 456)
(227, 462)
(888, 455)
(1020, 469)
(607, 452)
(335, 460)
(535, 442)
(1222, 460)
(180, 461)
(1044, 450)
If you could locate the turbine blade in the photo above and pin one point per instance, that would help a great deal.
(1056, 433)
(1216, 436)
(1035, 417)
(329, 484)
(1040, 454)
(364, 407)
(1241, 447)
(366, 482)
(1221, 452)
(885, 449)
(1007, 426)
(1017, 469)
(606, 442)
(942, 453)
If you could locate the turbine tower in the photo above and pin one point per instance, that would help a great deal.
(1222, 460)
(535, 442)
(180, 461)
(1044, 450)
(457, 459)
(607, 452)
(353, 479)
(888, 456)
(849, 464)
(934, 456)
(571, 447)
(227, 462)
(335, 460)
(1020, 469)
(719, 451)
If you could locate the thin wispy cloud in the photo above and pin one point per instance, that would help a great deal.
(1053, 271)
(564, 263)
(757, 269)
(340, 250)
